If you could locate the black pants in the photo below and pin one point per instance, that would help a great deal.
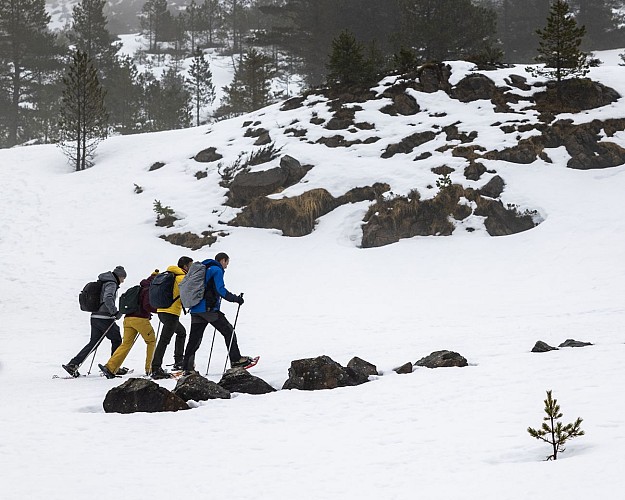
(198, 325)
(171, 325)
(98, 327)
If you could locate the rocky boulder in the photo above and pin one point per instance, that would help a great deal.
(574, 343)
(493, 188)
(501, 221)
(541, 346)
(404, 369)
(440, 359)
(247, 186)
(434, 77)
(199, 388)
(407, 144)
(474, 87)
(240, 380)
(208, 155)
(141, 395)
(313, 374)
(360, 370)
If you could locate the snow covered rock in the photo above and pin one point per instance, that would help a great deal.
(361, 370)
(313, 374)
(141, 395)
(440, 359)
(240, 380)
(199, 388)
(574, 343)
(541, 346)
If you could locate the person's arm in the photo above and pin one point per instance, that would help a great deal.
(221, 287)
(109, 290)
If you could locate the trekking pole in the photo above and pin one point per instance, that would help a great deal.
(234, 327)
(95, 348)
(211, 352)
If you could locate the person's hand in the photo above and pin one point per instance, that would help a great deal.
(119, 315)
(240, 299)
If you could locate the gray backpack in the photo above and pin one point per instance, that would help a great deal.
(192, 287)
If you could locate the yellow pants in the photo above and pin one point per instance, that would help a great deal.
(133, 327)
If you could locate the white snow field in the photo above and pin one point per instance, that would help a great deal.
(438, 434)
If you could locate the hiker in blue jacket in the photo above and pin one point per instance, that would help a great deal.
(207, 311)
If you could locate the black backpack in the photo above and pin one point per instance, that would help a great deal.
(162, 290)
(130, 300)
(89, 298)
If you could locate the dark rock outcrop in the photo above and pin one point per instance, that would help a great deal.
(403, 104)
(440, 359)
(313, 374)
(208, 155)
(197, 388)
(407, 144)
(141, 395)
(240, 380)
(541, 346)
(296, 216)
(404, 369)
(360, 370)
(434, 77)
(191, 240)
(501, 221)
(576, 94)
(474, 171)
(574, 343)
(247, 186)
(493, 188)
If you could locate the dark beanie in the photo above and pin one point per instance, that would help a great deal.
(120, 272)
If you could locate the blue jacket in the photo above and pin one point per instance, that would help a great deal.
(213, 281)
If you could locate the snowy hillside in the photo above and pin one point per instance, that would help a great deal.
(440, 434)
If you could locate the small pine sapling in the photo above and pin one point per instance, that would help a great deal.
(162, 211)
(554, 433)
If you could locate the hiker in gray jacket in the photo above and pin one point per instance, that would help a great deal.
(103, 320)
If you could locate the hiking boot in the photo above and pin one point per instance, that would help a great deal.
(159, 373)
(122, 370)
(242, 363)
(71, 369)
(178, 366)
(107, 373)
(190, 372)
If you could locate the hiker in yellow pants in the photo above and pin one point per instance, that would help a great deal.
(136, 323)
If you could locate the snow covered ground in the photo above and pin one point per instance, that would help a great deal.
(438, 434)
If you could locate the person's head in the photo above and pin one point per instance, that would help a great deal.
(184, 263)
(120, 273)
(223, 259)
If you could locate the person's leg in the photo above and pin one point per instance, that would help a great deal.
(147, 332)
(181, 336)
(169, 322)
(130, 334)
(96, 334)
(225, 328)
(198, 325)
(114, 335)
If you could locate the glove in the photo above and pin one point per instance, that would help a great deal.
(118, 315)
(240, 299)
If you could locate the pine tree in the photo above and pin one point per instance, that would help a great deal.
(123, 96)
(559, 47)
(166, 102)
(90, 35)
(348, 64)
(200, 83)
(26, 45)
(554, 433)
(446, 29)
(83, 118)
(602, 19)
(211, 16)
(153, 20)
(250, 87)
